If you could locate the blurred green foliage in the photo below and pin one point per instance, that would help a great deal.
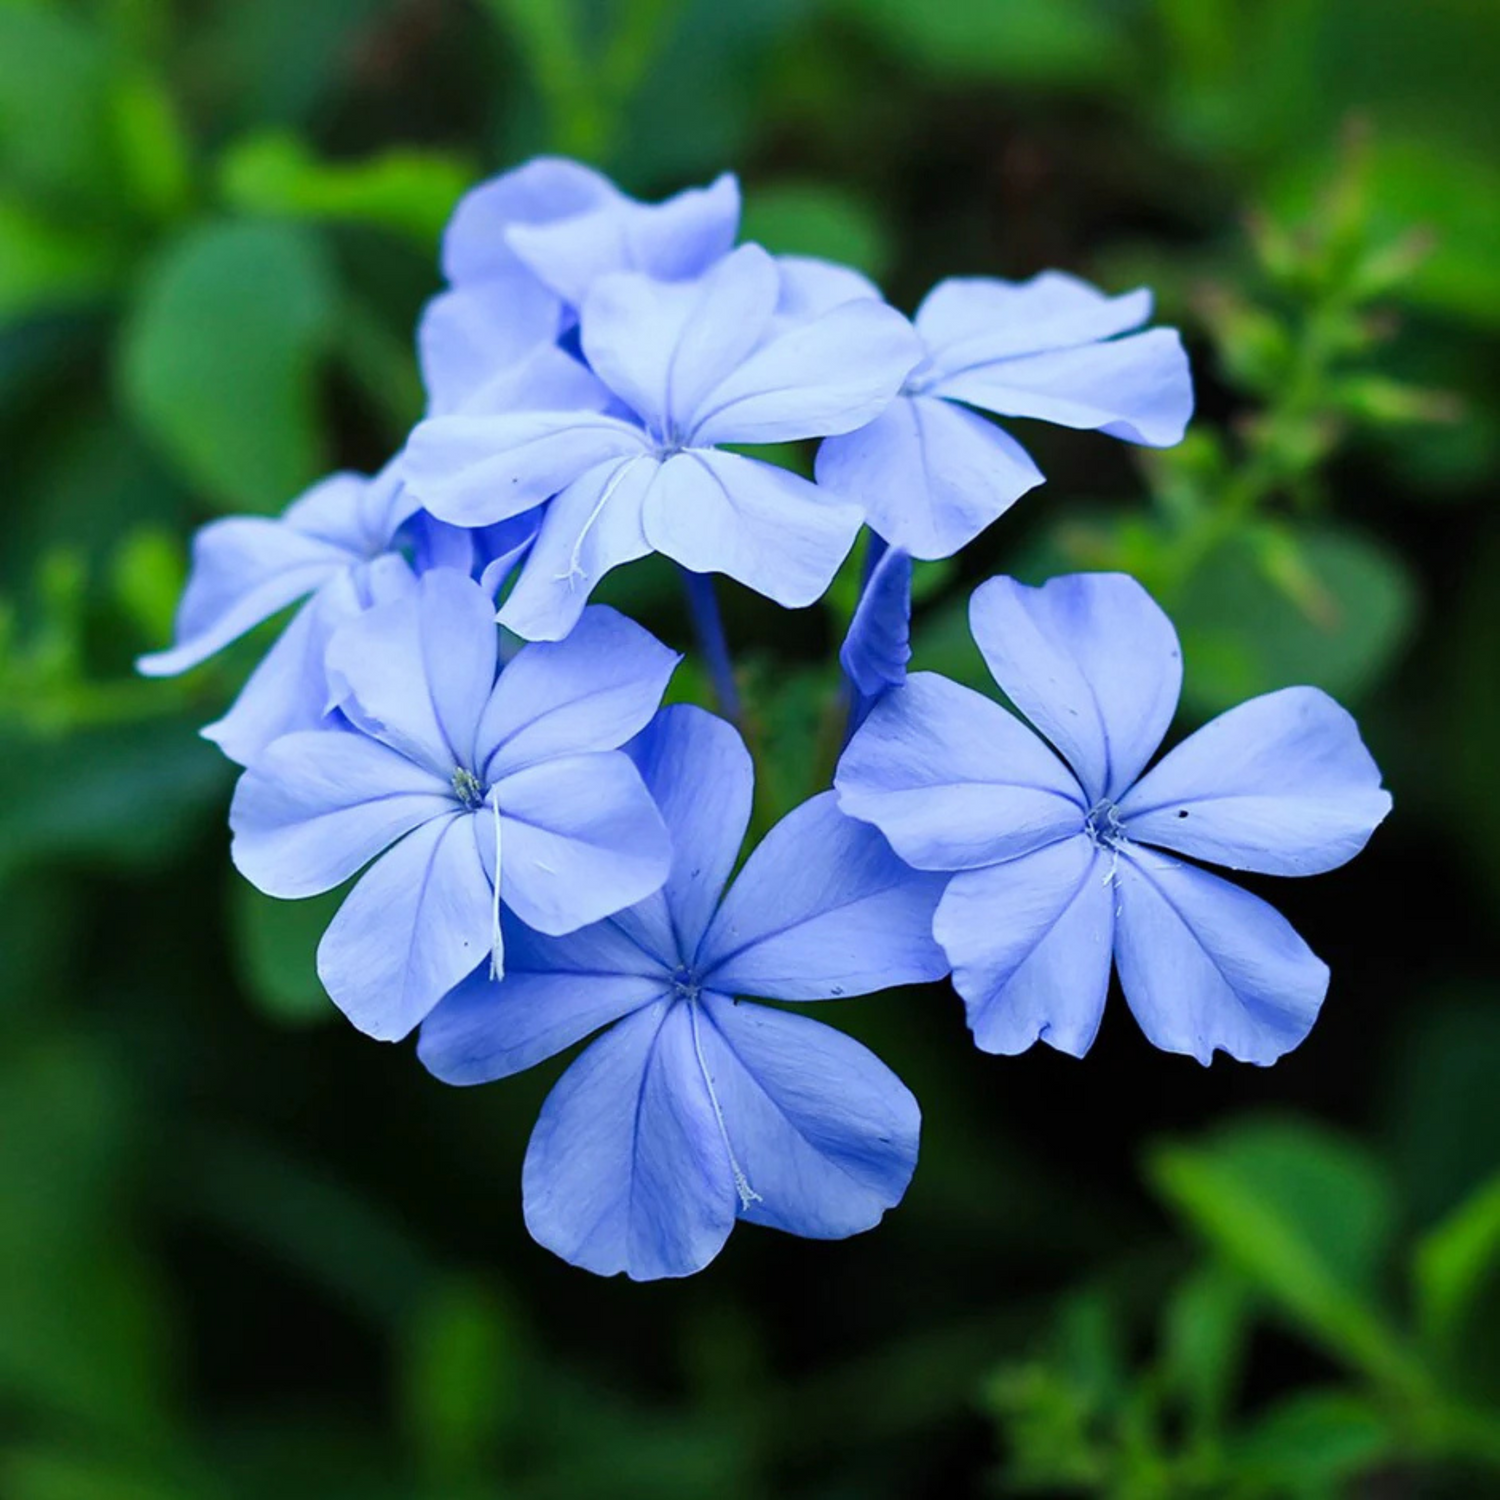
(244, 1253)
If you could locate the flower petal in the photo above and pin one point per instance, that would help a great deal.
(476, 470)
(953, 780)
(593, 690)
(878, 646)
(1092, 661)
(824, 1134)
(1282, 784)
(545, 189)
(245, 569)
(319, 805)
(823, 909)
(969, 320)
(627, 1170)
(1138, 388)
(811, 287)
(765, 527)
(1206, 965)
(581, 839)
(930, 475)
(680, 237)
(832, 374)
(592, 527)
(555, 992)
(417, 672)
(416, 924)
(1031, 942)
(468, 333)
(702, 778)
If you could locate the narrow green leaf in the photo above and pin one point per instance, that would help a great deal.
(1454, 1260)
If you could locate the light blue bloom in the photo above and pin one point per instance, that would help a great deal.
(1058, 856)
(932, 474)
(878, 646)
(523, 249)
(484, 791)
(694, 1110)
(749, 352)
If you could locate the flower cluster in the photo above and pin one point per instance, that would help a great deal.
(541, 852)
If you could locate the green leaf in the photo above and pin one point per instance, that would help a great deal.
(47, 266)
(1313, 1443)
(1458, 1287)
(276, 946)
(1062, 42)
(1332, 612)
(220, 356)
(1305, 1217)
(821, 219)
(1207, 1330)
(407, 190)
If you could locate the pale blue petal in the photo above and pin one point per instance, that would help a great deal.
(592, 527)
(469, 333)
(663, 346)
(678, 238)
(765, 527)
(591, 691)
(824, 1134)
(971, 320)
(476, 470)
(1092, 660)
(953, 780)
(418, 922)
(1206, 965)
(581, 839)
(811, 287)
(417, 673)
(1138, 388)
(502, 548)
(319, 805)
(930, 475)
(627, 1169)
(475, 246)
(1031, 943)
(823, 909)
(1282, 784)
(878, 646)
(555, 992)
(702, 778)
(245, 569)
(829, 375)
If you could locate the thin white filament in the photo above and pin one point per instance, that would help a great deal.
(496, 945)
(575, 563)
(748, 1195)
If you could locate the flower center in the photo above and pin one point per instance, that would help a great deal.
(685, 983)
(1103, 825)
(469, 789)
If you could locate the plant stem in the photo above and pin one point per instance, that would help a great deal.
(708, 626)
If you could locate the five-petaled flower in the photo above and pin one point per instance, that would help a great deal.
(492, 789)
(1060, 854)
(694, 1110)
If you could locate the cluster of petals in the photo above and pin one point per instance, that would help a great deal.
(540, 855)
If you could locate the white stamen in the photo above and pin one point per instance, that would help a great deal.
(748, 1195)
(575, 568)
(496, 945)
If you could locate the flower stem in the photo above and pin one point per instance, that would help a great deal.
(708, 625)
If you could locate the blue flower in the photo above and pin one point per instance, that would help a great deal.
(523, 249)
(878, 646)
(932, 474)
(694, 1110)
(749, 352)
(483, 790)
(1057, 855)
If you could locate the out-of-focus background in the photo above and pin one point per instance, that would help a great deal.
(247, 1253)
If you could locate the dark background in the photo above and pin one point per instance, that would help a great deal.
(246, 1253)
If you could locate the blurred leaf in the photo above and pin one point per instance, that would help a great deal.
(276, 945)
(147, 575)
(129, 794)
(44, 266)
(1336, 623)
(151, 141)
(1313, 1443)
(219, 359)
(1306, 1217)
(1458, 1288)
(1207, 1329)
(820, 219)
(407, 190)
(1063, 42)
(460, 1379)
(36, 1474)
